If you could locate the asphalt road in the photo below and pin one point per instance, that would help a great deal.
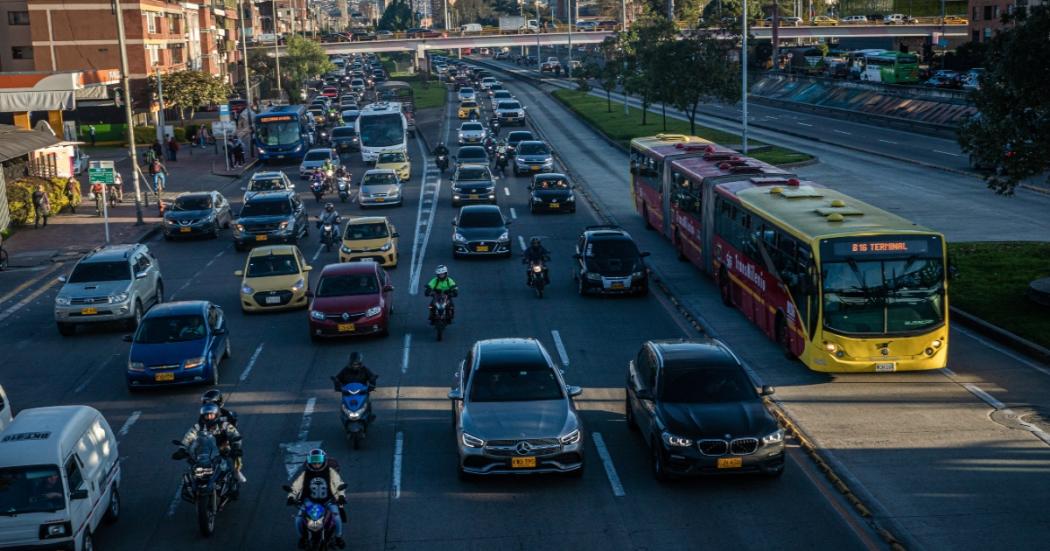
(403, 489)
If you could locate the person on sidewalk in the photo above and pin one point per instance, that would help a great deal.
(159, 173)
(91, 134)
(158, 150)
(72, 194)
(173, 149)
(41, 206)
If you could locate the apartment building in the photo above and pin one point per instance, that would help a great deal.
(986, 16)
(16, 44)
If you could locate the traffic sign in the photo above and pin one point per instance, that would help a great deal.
(100, 172)
(943, 42)
(224, 113)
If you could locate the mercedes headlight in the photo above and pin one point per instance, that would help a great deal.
(62, 301)
(458, 238)
(316, 315)
(774, 437)
(193, 363)
(386, 247)
(247, 290)
(471, 441)
(571, 438)
(136, 366)
(505, 236)
(298, 285)
(373, 311)
(119, 297)
(676, 441)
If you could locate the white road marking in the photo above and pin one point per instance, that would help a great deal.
(251, 362)
(506, 191)
(804, 124)
(888, 141)
(30, 283)
(521, 241)
(129, 423)
(22, 303)
(843, 132)
(1003, 351)
(946, 153)
(308, 412)
(399, 447)
(316, 254)
(984, 396)
(405, 352)
(424, 222)
(561, 348)
(513, 214)
(195, 276)
(175, 500)
(987, 398)
(91, 374)
(610, 469)
(295, 452)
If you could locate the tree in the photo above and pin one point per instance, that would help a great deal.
(304, 59)
(190, 90)
(700, 68)
(609, 72)
(396, 17)
(1011, 133)
(641, 49)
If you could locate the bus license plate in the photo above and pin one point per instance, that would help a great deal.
(523, 462)
(184, 230)
(88, 311)
(346, 327)
(888, 367)
(261, 237)
(161, 377)
(730, 462)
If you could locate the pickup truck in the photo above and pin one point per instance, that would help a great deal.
(551, 64)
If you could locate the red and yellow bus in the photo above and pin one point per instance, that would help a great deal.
(839, 284)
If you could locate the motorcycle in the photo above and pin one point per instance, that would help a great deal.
(494, 126)
(538, 277)
(327, 234)
(501, 162)
(210, 482)
(343, 185)
(441, 312)
(319, 186)
(316, 522)
(490, 149)
(356, 410)
(442, 162)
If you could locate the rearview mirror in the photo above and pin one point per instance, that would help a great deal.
(768, 390)
(128, 338)
(239, 273)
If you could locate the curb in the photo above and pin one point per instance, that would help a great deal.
(1001, 335)
(248, 166)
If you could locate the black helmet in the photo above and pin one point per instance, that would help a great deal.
(357, 359)
(535, 241)
(213, 396)
(209, 415)
(329, 207)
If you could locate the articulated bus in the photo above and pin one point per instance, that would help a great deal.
(382, 128)
(283, 133)
(839, 284)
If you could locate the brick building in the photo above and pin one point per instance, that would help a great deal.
(986, 16)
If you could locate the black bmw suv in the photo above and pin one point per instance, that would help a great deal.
(699, 412)
(607, 261)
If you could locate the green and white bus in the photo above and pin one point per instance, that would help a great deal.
(891, 67)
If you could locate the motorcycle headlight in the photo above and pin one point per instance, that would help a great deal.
(458, 238)
(676, 441)
(136, 366)
(119, 297)
(537, 268)
(386, 247)
(245, 289)
(373, 311)
(316, 315)
(505, 236)
(299, 285)
(774, 437)
(62, 301)
(315, 525)
(471, 441)
(571, 438)
(193, 362)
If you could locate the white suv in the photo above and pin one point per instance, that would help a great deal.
(114, 283)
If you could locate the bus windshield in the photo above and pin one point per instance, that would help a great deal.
(278, 133)
(381, 130)
(875, 293)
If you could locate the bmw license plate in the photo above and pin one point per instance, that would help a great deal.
(730, 462)
(162, 377)
(346, 328)
(273, 300)
(887, 367)
(262, 237)
(184, 230)
(523, 462)
(88, 311)
(482, 248)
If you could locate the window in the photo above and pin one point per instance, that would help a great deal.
(975, 35)
(153, 52)
(176, 55)
(22, 52)
(987, 33)
(73, 476)
(151, 22)
(173, 24)
(987, 13)
(17, 18)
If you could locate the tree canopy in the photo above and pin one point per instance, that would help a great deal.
(304, 59)
(396, 17)
(190, 90)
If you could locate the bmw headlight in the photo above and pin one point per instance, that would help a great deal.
(247, 290)
(119, 297)
(505, 236)
(316, 315)
(373, 311)
(193, 362)
(676, 441)
(62, 301)
(471, 441)
(386, 247)
(458, 238)
(774, 437)
(571, 438)
(298, 285)
(136, 366)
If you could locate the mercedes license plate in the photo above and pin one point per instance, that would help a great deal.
(161, 377)
(88, 311)
(273, 300)
(730, 462)
(346, 327)
(523, 462)
(887, 367)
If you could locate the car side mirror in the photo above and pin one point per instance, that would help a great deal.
(645, 254)
(239, 273)
(243, 188)
(221, 331)
(455, 222)
(128, 338)
(455, 394)
(308, 268)
(531, 187)
(62, 279)
(388, 288)
(141, 275)
(395, 234)
(768, 390)
(574, 391)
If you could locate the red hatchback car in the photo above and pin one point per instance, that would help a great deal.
(352, 298)
(330, 92)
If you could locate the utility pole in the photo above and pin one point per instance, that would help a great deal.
(743, 75)
(276, 51)
(160, 106)
(568, 69)
(776, 35)
(125, 81)
(623, 6)
(244, 54)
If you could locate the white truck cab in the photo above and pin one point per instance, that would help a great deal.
(59, 478)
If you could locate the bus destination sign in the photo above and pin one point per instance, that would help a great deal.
(275, 118)
(876, 248)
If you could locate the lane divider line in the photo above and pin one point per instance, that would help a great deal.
(129, 423)
(561, 348)
(521, 241)
(405, 352)
(1002, 350)
(513, 214)
(889, 142)
(175, 500)
(32, 281)
(399, 448)
(194, 277)
(22, 303)
(987, 398)
(251, 362)
(428, 197)
(946, 153)
(308, 412)
(610, 469)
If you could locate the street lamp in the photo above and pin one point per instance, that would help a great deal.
(743, 73)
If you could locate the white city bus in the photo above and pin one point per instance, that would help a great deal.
(381, 127)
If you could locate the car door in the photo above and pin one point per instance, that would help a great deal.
(216, 339)
(645, 410)
(79, 509)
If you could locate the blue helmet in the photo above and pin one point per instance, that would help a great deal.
(316, 460)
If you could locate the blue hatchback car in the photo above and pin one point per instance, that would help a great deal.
(178, 343)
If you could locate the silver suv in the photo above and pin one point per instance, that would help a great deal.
(114, 283)
(514, 413)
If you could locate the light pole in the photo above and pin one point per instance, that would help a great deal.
(160, 105)
(126, 83)
(568, 70)
(244, 55)
(743, 76)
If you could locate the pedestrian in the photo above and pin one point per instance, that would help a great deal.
(238, 151)
(159, 174)
(41, 206)
(72, 193)
(91, 134)
(231, 149)
(158, 150)
(173, 149)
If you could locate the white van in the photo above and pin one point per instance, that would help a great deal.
(470, 28)
(59, 475)
(5, 409)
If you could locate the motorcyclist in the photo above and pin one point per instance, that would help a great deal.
(536, 252)
(214, 396)
(442, 283)
(441, 150)
(490, 144)
(226, 437)
(494, 123)
(329, 216)
(355, 371)
(502, 156)
(320, 480)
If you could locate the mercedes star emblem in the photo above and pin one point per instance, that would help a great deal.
(523, 448)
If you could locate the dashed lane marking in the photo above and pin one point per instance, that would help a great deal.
(251, 362)
(946, 153)
(804, 124)
(561, 348)
(33, 281)
(129, 423)
(610, 469)
(521, 242)
(889, 142)
(10, 311)
(399, 448)
(843, 132)
(295, 452)
(405, 352)
(513, 214)
(506, 191)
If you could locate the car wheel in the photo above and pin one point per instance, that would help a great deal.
(658, 463)
(136, 317)
(628, 414)
(88, 543)
(159, 295)
(113, 511)
(67, 329)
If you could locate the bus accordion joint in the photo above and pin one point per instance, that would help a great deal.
(673, 137)
(708, 148)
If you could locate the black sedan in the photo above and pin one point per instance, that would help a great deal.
(699, 412)
(608, 262)
(473, 183)
(551, 192)
(191, 214)
(344, 138)
(480, 230)
(473, 154)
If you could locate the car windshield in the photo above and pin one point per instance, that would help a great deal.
(317, 156)
(343, 132)
(514, 382)
(473, 173)
(162, 329)
(382, 130)
(472, 153)
(501, 94)
(612, 248)
(272, 265)
(266, 208)
(472, 127)
(466, 91)
(32, 489)
(509, 105)
(699, 385)
(550, 183)
(89, 272)
(266, 184)
(515, 137)
(469, 104)
(316, 111)
(379, 179)
(347, 285)
(278, 133)
(883, 296)
(481, 219)
(193, 202)
(371, 230)
(532, 148)
(394, 157)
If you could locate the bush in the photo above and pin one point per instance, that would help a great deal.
(20, 196)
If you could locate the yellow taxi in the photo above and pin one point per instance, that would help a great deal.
(467, 107)
(955, 20)
(274, 278)
(370, 238)
(396, 161)
(824, 21)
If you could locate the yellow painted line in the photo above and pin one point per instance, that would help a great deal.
(33, 281)
(20, 304)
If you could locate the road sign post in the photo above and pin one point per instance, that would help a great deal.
(224, 117)
(102, 172)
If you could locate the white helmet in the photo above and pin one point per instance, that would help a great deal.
(441, 270)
